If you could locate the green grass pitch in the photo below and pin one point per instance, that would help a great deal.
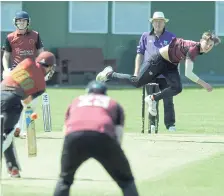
(187, 162)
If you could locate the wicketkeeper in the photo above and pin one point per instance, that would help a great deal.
(93, 129)
(24, 83)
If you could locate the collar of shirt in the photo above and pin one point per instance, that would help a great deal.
(26, 33)
(161, 41)
(152, 32)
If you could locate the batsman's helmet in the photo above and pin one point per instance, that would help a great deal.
(47, 59)
(22, 15)
(97, 87)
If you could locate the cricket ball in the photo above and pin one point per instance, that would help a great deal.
(33, 116)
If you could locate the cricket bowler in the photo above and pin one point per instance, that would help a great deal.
(93, 129)
(24, 83)
(165, 61)
(149, 43)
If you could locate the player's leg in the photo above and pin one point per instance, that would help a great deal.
(152, 88)
(12, 161)
(169, 113)
(19, 126)
(11, 109)
(149, 70)
(10, 154)
(73, 155)
(113, 159)
(174, 84)
(172, 76)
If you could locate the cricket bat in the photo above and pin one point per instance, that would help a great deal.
(31, 133)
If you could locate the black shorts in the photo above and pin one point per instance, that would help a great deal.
(80, 146)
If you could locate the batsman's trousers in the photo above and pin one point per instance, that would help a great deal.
(11, 109)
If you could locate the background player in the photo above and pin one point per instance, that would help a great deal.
(165, 62)
(25, 82)
(93, 129)
(20, 44)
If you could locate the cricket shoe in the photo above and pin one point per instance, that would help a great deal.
(172, 128)
(151, 105)
(103, 75)
(22, 135)
(14, 172)
(153, 128)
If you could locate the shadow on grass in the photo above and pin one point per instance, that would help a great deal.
(55, 179)
(151, 140)
(183, 141)
(123, 87)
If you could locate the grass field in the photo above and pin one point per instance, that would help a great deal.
(196, 110)
(199, 178)
(188, 162)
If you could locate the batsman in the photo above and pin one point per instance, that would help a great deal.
(19, 87)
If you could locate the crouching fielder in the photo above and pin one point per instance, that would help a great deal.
(93, 129)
